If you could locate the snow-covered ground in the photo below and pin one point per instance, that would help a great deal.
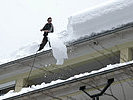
(11, 93)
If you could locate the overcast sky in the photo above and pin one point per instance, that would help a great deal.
(21, 20)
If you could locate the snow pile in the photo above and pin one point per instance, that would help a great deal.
(11, 93)
(58, 48)
(106, 16)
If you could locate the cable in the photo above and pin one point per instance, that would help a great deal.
(113, 53)
(123, 91)
(81, 82)
(62, 69)
(27, 79)
(70, 98)
(48, 94)
(107, 56)
(118, 79)
(98, 61)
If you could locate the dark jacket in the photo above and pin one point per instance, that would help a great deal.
(49, 27)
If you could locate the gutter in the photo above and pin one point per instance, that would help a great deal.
(70, 81)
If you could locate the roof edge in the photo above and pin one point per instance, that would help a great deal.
(71, 81)
(72, 43)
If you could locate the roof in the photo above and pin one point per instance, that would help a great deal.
(72, 43)
(97, 73)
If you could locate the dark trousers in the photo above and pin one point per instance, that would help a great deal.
(44, 42)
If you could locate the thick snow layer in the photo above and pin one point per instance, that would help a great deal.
(58, 47)
(106, 16)
(11, 93)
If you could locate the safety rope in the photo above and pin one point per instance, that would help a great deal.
(27, 79)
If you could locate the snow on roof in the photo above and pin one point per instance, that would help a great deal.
(106, 16)
(11, 93)
(109, 7)
(59, 50)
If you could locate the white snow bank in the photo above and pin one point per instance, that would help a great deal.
(58, 47)
(11, 93)
(106, 16)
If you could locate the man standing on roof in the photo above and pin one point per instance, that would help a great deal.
(48, 28)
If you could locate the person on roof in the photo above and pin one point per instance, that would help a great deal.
(48, 28)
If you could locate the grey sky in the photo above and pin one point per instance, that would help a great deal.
(21, 20)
